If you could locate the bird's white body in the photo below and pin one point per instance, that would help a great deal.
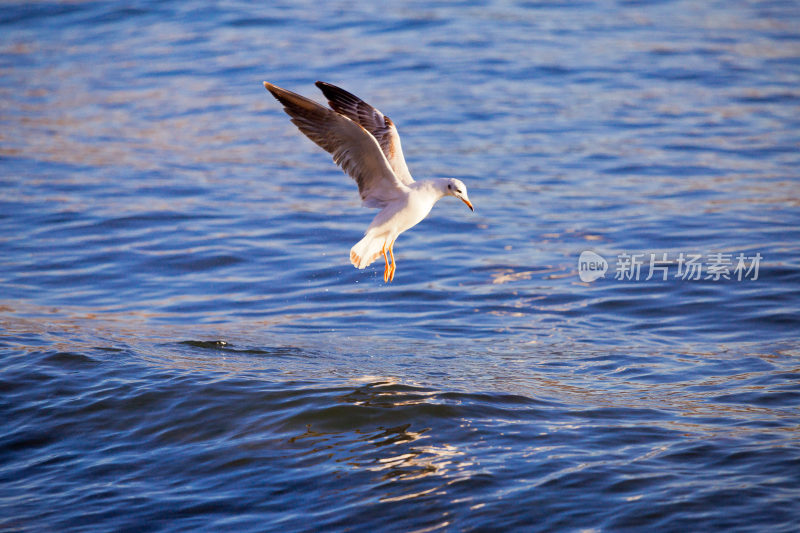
(365, 143)
(407, 211)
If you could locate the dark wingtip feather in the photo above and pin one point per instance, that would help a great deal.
(274, 90)
(297, 103)
(337, 95)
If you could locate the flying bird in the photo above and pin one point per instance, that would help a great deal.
(365, 144)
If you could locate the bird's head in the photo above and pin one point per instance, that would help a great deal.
(454, 187)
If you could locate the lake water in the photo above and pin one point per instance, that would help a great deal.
(184, 345)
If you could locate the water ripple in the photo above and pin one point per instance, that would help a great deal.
(185, 346)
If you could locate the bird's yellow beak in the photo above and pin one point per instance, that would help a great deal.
(469, 204)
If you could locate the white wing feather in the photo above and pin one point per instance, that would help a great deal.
(353, 148)
(379, 125)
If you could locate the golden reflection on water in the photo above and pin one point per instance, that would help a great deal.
(508, 275)
(395, 454)
(69, 116)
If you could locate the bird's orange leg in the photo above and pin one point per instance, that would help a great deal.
(386, 268)
(391, 254)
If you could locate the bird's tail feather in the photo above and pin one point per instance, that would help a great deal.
(366, 251)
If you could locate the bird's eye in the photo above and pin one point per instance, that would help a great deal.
(449, 186)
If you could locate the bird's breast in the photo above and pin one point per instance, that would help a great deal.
(418, 207)
(404, 213)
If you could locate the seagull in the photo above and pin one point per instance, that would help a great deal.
(365, 144)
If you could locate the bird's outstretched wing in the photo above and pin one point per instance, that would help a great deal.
(353, 148)
(379, 125)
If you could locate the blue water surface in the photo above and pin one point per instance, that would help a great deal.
(184, 345)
